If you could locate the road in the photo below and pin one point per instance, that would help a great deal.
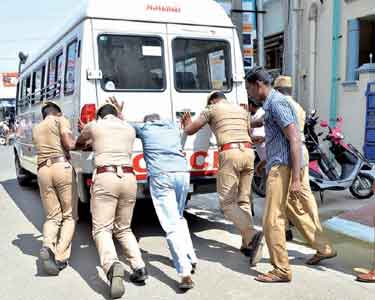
(222, 272)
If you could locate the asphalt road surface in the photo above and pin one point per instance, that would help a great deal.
(222, 272)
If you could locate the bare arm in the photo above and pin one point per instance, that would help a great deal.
(68, 141)
(292, 134)
(191, 127)
(84, 138)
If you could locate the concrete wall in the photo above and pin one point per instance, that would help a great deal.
(351, 102)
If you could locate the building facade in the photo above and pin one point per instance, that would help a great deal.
(8, 83)
(335, 46)
(242, 13)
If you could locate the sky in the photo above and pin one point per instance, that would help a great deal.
(27, 25)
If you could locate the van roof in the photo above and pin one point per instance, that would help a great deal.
(188, 12)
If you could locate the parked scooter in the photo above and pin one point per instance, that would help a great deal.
(355, 171)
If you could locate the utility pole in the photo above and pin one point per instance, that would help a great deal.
(260, 34)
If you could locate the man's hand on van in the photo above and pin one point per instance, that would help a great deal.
(191, 127)
(118, 106)
(116, 103)
(186, 119)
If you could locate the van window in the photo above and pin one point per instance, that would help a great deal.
(201, 65)
(131, 63)
(38, 85)
(28, 86)
(23, 89)
(70, 66)
(55, 70)
(25, 94)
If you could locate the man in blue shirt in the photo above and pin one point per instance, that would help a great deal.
(169, 179)
(284, 164)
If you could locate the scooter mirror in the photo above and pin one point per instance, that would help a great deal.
(324, 124)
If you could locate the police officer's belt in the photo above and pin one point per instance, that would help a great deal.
(113, 169)
(235, 146)
(52, 161)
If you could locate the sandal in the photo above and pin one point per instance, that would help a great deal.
(271, 278)
(369, 277)
(317, 258)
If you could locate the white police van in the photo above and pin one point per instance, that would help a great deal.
(158, 56)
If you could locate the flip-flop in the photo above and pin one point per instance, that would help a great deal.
(317, 258)
(271, 278)
(368, 278)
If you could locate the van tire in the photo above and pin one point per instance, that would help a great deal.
(84, 213)
(24, 177)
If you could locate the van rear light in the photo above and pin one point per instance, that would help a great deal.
(89, 182)
(88, 113)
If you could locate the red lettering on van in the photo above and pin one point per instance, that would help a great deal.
(194, 160)
(163, 8)
(137, 164)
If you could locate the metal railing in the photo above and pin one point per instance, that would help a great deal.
(49, 92)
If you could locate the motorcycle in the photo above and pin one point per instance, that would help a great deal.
(355, 171)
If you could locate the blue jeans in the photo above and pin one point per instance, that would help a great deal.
(169, 192)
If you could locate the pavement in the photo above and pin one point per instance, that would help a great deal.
(222, 272)
(358, 224)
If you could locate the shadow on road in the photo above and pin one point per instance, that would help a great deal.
(145, 224)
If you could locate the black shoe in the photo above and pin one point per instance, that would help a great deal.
(246, 251)
(139, 276)
(289, 235)
(256, 247)
(186, 283)
(193, 268)
(61, 264)
(116, 277)
(48, 260)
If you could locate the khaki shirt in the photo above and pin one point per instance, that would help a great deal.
(301, 115)
(47, 137)
(229, 122)
(112, 141)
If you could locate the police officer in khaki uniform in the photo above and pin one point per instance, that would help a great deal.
(53, 139)
(113, 195)
(302, 211)
(231, 125)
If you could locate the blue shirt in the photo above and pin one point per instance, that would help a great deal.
(161, 147)
(279, 114)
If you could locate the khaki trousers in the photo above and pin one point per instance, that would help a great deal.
(112, 205)
(302, 211)
(236, 170)
(56, 184)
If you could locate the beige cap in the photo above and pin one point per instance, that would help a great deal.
(283, 81)
(105, 104)
(48, 103)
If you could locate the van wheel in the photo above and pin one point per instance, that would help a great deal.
(84, 214)
(24, 177)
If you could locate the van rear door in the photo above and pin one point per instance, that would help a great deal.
(132, 59)
(202, 61)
